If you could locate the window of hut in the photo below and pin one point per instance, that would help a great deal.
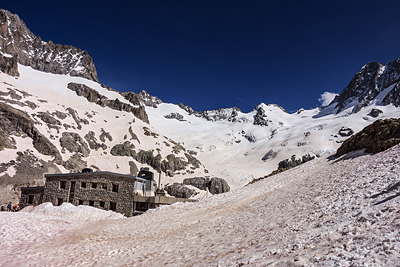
(115, 188)
(83, 184)
(104, 186)
(113, 206)
(102, 204)
(59, 201)
(63, 184)
(80, 202)
(91, 203)
(94, 185)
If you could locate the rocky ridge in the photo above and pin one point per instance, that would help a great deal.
(228, 114)
(372, 80)
(20, 44)
(377, 137)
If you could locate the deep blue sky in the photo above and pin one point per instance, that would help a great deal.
(215, 54)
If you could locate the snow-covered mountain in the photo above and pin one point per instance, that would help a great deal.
(57, 117)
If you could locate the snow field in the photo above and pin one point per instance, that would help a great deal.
(327, 212)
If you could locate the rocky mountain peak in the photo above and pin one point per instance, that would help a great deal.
(363, 87)
(371, 80)
(18, 42)
(228, 114)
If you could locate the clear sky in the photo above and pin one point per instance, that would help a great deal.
(216, 54)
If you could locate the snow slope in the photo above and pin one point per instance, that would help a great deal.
(37, 93)
(326, 212)
(234, 150)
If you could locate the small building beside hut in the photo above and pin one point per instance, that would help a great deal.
(125, 194)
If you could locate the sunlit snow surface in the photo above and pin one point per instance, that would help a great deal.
(229, 150)
(223, 148)
(327, 212)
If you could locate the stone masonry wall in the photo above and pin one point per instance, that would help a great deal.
(58, 187)
(35, 193)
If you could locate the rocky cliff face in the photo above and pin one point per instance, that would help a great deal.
(18, 42)
(229, 114)
(372, 80)
(9, 65)
(374, 138)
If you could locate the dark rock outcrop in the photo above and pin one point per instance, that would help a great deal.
(19, 42)
(174, 115)
(142, 99)
(199, 182)
(270, 154)
(105, 135)
(375, 112)
(229, 114)
(125, 149)
(393, 97)
(92, 141)
(260, 117)
(376, 137)
(180, 190)
(345, 132)
(95, 97)
(9, 65)
(75, 163)
(48, 118)
(362, 87)
(73, 142)
(367, 84)
(76, 118)
(17, 122)
(293, 162)
(218, 186)
(214, 185)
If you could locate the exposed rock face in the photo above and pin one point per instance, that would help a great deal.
(362, 87)
(229, 114)
(375, 112)
(19, 42)
(142, 99)
(260, 117)
(92, 141)
(175, 116)
(133, 135)
(17, 122)
(180, 190)
(218, 186)
(293, 162)
(393, 97)
(105, 135)
(214, 185)
(374, 138)
(76, 118)
(29, 171)
(199, 182)
(125, 150)
(270, 154)
(75, 163)
(9, 65)
(345, 132)
(367, 84)
(49, 120)
(74, 143)
(95, 97)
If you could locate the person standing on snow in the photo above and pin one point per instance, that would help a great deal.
(9, 206)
